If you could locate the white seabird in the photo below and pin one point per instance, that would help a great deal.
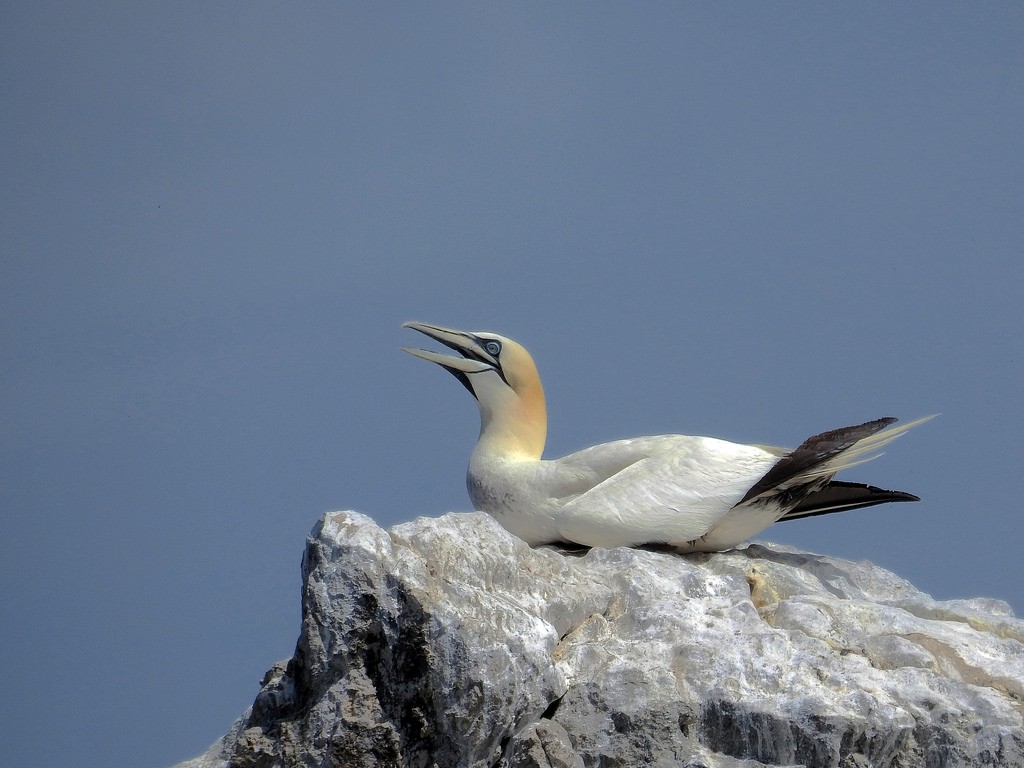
(693, 494)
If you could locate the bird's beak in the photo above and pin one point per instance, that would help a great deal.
(475, 358)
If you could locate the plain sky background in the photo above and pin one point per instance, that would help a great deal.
(751, 220)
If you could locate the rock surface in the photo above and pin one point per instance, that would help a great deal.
(448, 642)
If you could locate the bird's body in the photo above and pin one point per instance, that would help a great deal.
(668, 489)
(689, 493)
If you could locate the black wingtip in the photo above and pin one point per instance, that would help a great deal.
(903, 496)
(839, 496)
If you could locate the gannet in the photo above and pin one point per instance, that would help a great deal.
(688, 493)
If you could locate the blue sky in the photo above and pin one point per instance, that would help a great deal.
(754, 221)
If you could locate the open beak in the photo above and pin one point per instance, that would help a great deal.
(475, 358)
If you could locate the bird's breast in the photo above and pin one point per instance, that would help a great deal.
(490, 494)
(513, 492)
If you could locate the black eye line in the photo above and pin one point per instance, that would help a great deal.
(497, 368)
(483, 343)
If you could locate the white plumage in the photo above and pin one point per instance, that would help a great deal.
(689, 493)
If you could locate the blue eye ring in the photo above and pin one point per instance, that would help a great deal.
(493, 348)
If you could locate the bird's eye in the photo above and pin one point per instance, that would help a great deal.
(493, 348)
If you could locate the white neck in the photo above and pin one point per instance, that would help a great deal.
(512, 424)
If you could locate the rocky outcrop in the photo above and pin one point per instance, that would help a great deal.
(448, 642)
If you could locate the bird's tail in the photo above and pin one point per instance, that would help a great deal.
(823, 455)
(863, 450)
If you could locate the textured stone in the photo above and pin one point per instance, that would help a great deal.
(448, 642)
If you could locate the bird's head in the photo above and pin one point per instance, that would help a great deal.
(503, 378)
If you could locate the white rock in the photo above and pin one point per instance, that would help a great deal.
(448, 642)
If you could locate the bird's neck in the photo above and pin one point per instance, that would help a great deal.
(517, 429)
